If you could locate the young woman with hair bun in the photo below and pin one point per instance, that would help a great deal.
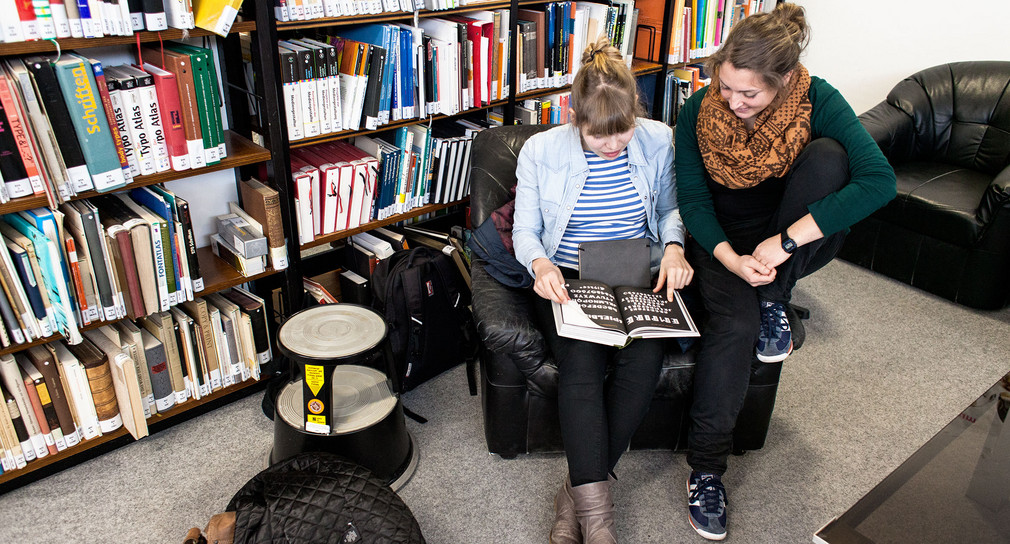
(605, 175)
(772, 168)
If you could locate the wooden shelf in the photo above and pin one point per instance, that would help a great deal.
(219, 275)
(638, 67)
(340, 235)
(120, 437)
(66, 44)
(241, 151)
(389, 126)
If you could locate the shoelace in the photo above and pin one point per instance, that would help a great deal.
(773, 321)
(712, 495)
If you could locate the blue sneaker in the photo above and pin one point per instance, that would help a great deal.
(706, 502)
(775, 342)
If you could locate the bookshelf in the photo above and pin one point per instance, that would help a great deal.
(277, 30)
(242, 154)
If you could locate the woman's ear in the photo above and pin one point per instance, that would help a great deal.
(787, 78)
(571, 115)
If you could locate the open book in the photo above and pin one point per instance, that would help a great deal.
(613, 316)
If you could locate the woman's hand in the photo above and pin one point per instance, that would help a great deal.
(549, 284)
(750, 270)
(770, 252)
(674, 271)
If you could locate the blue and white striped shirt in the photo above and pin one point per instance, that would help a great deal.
(608, 208)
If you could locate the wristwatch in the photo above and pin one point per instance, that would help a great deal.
(788, 244)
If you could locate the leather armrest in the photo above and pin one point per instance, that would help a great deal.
(892, 129)
(506, 325)
(995, 198)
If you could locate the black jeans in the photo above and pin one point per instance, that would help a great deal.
(598, 416)
(723, 366)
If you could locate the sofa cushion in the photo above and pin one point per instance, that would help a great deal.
(938, 200)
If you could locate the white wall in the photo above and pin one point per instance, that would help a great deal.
(864, 47)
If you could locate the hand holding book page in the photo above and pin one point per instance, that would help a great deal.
(613, 316)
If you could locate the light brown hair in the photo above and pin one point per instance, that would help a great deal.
(604, 93)
(768, 44)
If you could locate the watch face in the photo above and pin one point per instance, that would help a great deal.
(788, 245)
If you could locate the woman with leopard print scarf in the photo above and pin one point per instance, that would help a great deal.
(772, 167)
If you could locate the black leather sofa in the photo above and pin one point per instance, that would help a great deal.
(518, 374)
(946, 132)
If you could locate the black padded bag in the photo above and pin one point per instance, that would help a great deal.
(425, 302)
(321, 498)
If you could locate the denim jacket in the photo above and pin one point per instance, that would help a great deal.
(552, 169)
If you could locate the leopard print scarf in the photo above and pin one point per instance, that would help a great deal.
(738, 159)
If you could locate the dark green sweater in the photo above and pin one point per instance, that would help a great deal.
(871, 185)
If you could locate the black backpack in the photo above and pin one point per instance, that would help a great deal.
(422, 295)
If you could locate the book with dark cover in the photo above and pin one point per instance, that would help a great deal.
(157, 367)
(256, 311)
(613, 316)
(42, 405)
(182, 206)
(96, 254)
(154, 14)
(59, 117)
(616, 262)
(24, 269)
(162, 327)
(45, 363)
(19, 425)
(373, 88)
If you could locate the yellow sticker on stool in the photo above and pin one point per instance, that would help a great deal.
(314, 378)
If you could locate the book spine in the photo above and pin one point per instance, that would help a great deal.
(110, 114)
(104, 394)
(153, 123)
(190, 249)
(171, 110)
(118, 119)
(143, 144)
(19, 128)
(12, 169)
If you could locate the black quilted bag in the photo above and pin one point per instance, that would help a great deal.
(320, 498)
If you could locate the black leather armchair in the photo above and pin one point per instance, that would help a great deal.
(946, 132)
(518, 375)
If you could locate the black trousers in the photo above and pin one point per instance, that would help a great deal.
(723, 366)
(598, 416)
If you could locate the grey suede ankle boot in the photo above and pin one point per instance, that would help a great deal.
(566, 528)
(594, 509)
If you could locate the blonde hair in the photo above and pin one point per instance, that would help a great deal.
(768, 44)
(604, 94)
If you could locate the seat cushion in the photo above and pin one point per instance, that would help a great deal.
(938, 200)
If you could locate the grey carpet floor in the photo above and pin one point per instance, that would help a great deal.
(884, 367)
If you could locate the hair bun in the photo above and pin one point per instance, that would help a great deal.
(600, 47)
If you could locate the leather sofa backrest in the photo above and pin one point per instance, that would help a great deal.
(493, 157)
(960, 113)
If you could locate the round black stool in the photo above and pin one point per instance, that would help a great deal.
(340, 398)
